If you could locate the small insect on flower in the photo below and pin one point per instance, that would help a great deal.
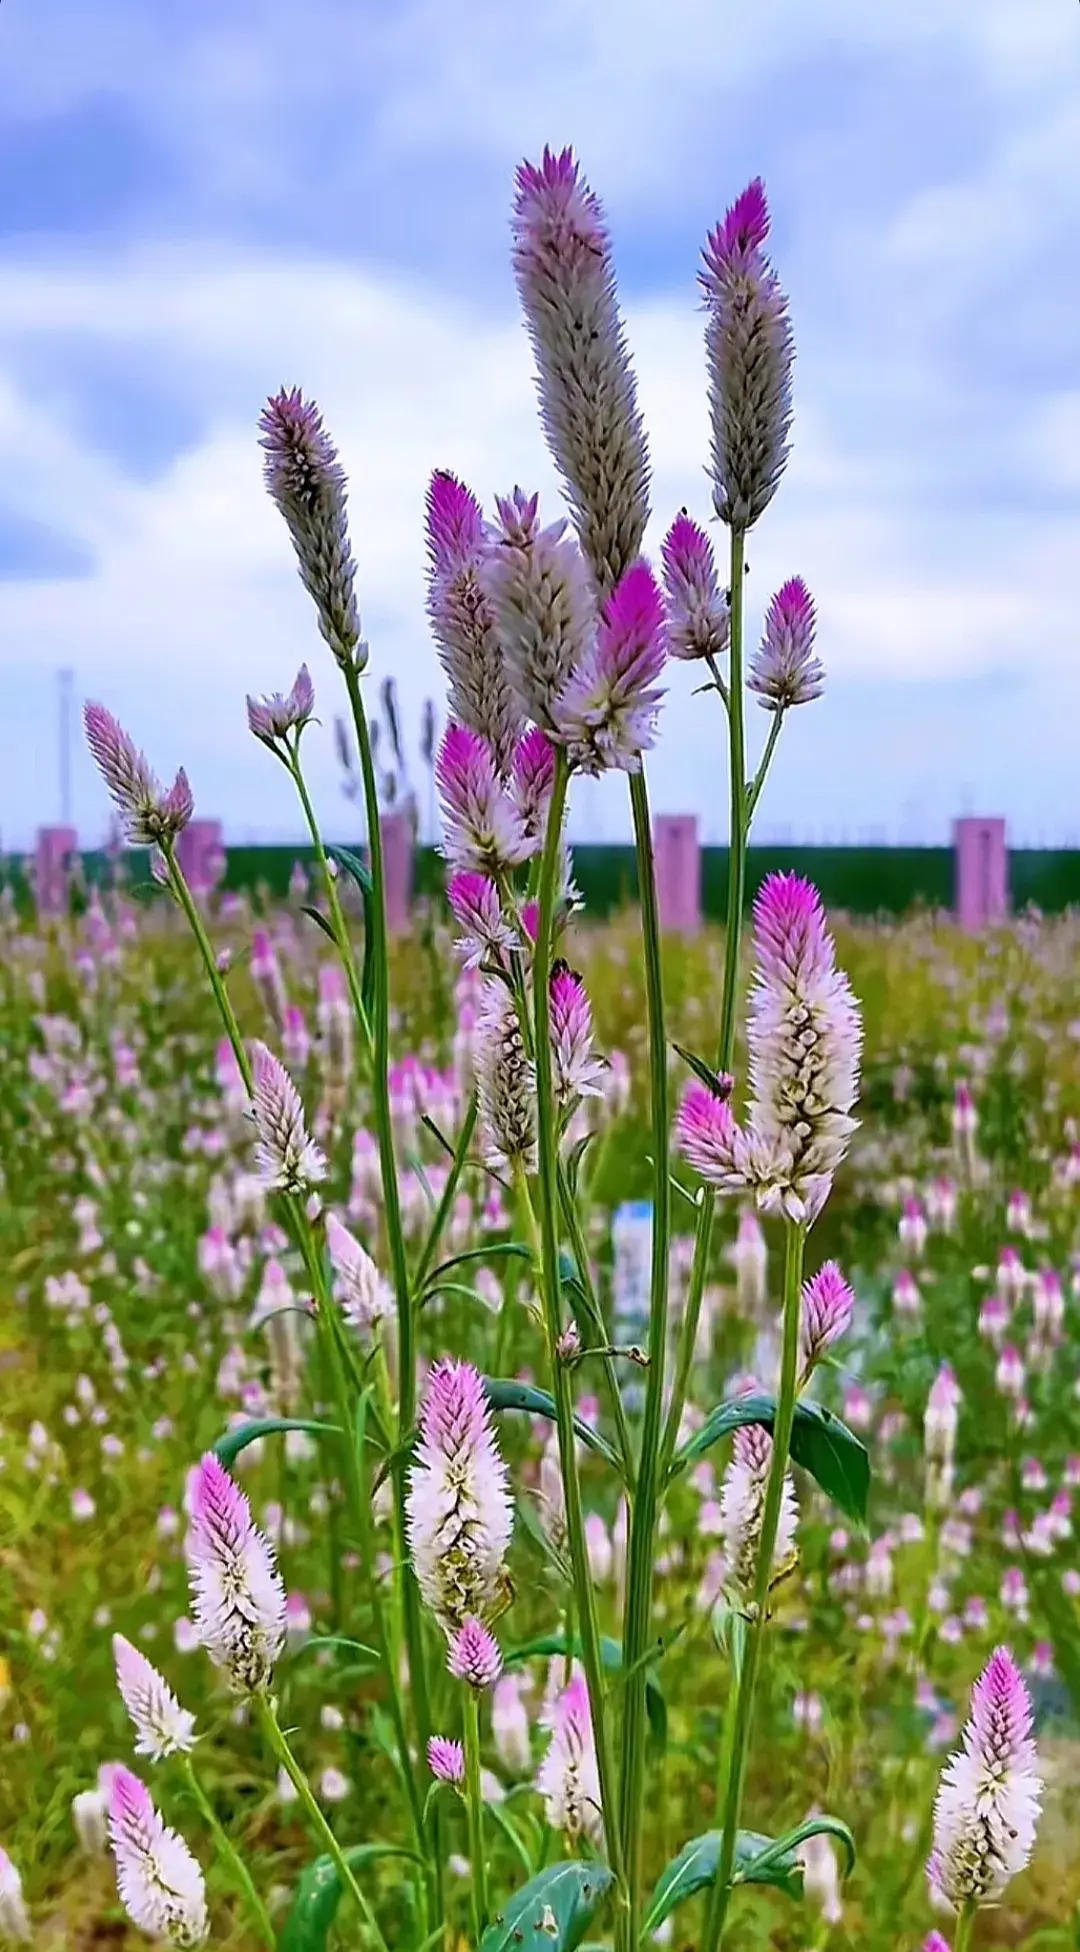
(988, 1800)
(160, 1884)
(162, 1727)
(238, 1599)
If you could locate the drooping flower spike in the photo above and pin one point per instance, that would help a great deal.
(306, 482)
(159, 1881)
(275, 714)
(238, 1599)
(150, 817)
(459, 1510)
(988, 1800)
(162, 1727)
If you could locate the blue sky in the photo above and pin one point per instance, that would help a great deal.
(203, 199)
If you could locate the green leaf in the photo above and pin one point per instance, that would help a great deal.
(318, 1895)
(708, 1076)
(785, 1847)
(823, 1445)
(361, 874)
(509, 1249)
(503, 1394)
(574, 1161)
(228, 1448)
(549, 1914)
(548, 1644)
(317, 916)
(695, 1868)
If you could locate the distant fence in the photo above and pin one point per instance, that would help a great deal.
(860, 880)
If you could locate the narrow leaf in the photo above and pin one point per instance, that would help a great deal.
(695, 1868)
(316, 915)
(549, 1914)
(228, 1448)
(503, 1394)
(708, 1076)
(820, 1443)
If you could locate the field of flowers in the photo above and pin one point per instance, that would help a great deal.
(533, 1436)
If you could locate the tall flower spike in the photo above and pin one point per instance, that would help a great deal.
(506, 1085)
(459, 1510)
(750, 350)
(588, 398)
(238, 1598)
(577, 1071)
(709, 1138)
(538, 585)
(475, 906)
(532, 777)
(289, 1161)
(150, 817)
(162, 1727)
(568, 1778)
(827, 1305)
(463, 621)
(606, 714)
(784, 670)
(160, 1884)
(988, 1799)
(363, 1294)
(306, 482)
(699, 621)
(271, 716)
(483, 832)
(742, 1507)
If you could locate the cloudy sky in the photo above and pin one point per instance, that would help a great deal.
(203, 199)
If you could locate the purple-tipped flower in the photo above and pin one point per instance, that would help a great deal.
(150, 817)
(709, 1138)
(483, 832)
(577, 1072)
(987, 1805)
(237, 1594)
(537, 583)
(446, 1760)
(271, 716)
(750, 351)
(532, 777)
(568, 1778)
(160, 1884)
(939, 1438)
(363, 1294)
(463, 621)
(459, 1510)
(588, 399)
(699, 620)
(306, 481)
(742, 1507)
(784, 670)
(933, 1942)
(474, 902)
(474, 1656)
(606, 714)
(162, 1727)
(289, 1161)
(505, 1084)
(827, 1304)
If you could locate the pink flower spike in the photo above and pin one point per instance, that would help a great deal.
(827, 1305)
(160, 1884)
(446, 1760)
(14, 1916)
(237, 1593)
(532, 776)
(577, 1071)
(708, 1137)
(454, 523)
(459, 1510)
(150, 817)
(306, 482)
(271, 716)
(568, 1778)
(474, 902)
(933, 1942)
(162, 1727)
(289, 1160)
(538, 585)
(699, 622)
(363, 1294)
(483, 830)
(606, 714)
(750, 350)
(988, 1799)
(463, 621)
(474, 1656)
(784, 670)
(742, 232)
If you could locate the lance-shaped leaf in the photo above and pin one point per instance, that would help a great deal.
(228, 1448)
(549, 1914)
(503, 1394)
(695, 1868)
(820, 1443)
(318, 1895)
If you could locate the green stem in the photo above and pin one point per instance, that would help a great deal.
(740, 824)
(581, 1255)
(457, 1167)
(965, 1925)
(231, 1856)
(183, 895)
(584, 1595)
(754, 794)
(744, 1705)
(642, 1543)
(276, 1741)
(475, 1802)
(337, 915)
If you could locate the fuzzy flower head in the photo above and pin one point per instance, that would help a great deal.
(463, 621)
(360, 1289)
(532, 777)
(14, 1916)
(446, 1760)
(578, 1073)
(606, 714)
(506, 1085)
(272, 716)
(708, 1137)
(238, 1597)
(160, 1884)
(475, 1657)
(162, 1727)
(750, 351)
(568, 1778)
(306, 482)
(942, 1415)
(588, 398)
(151, 817)
(475, 905)
(289, 1161)
(988, 1799)
(537, 582)
(483, 832)
(699, 620)
(742, 1507)
(459, 1510)
(784, 670)
(827, 1305)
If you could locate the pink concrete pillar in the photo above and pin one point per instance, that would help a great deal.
(398, 847)
(57, 851)
(982, 873)
(678, 872)
(201, 855)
